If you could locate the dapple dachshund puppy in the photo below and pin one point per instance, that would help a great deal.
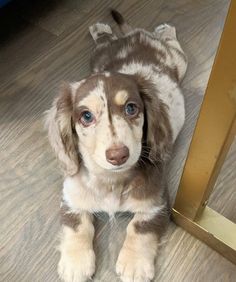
(112, 133)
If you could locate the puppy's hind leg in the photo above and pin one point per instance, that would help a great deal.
(101, 33)
(167, 34)
(165, 31)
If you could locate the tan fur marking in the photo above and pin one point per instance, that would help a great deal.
(121, 97)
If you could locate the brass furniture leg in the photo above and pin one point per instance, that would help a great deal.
(213, 135)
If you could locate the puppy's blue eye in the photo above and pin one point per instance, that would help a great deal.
(87, 118)
(131, 109)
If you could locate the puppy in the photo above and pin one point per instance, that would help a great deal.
(112, 133)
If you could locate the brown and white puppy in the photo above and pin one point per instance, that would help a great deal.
(113, 132)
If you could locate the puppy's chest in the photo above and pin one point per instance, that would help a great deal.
(112, 202)
(92, 196)
(96, 198)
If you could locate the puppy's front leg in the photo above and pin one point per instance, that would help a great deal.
(137, 256)
(77, 262)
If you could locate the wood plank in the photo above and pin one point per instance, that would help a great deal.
(20, 44)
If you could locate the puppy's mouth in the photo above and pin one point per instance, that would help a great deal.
(120, 169)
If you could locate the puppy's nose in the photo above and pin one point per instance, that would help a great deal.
(117, 155)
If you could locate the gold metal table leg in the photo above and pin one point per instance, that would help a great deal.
(213, 135)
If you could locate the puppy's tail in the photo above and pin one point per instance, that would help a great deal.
(123, 25)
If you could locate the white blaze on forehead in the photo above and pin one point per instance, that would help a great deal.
(96, 98)
(121, 97)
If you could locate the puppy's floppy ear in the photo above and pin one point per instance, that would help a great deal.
(157, 131)
(61, 132)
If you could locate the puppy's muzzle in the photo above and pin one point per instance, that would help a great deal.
(117, 154)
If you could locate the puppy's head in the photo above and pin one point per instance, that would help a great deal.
(110, 122)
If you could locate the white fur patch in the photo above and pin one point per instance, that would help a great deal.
(84, 193)
(97, 29)
(107, 74)
(92, 100)
(165, 31)
(162, 27)
(124, 52)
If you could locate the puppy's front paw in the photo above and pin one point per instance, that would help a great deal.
(76, 265)
(133, 266)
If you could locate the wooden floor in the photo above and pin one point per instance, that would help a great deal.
(45, 42)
